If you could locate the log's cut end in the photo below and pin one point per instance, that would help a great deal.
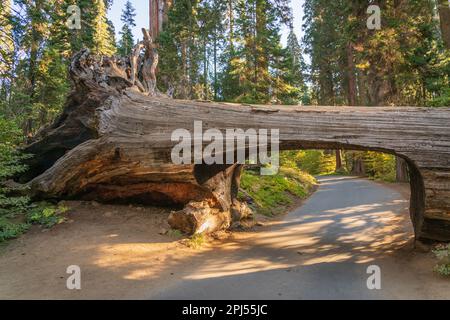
(200, 217)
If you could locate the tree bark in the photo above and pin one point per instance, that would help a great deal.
(215, 66)
(338, 160)
(444, 14)
(352, 96)
(158, 15)
(358, 167)
(401, 170)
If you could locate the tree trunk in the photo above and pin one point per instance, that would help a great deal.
(158, 14)
(358, 167)
(184, 87)
(338, 160)
(113, 142)
(205, 72)
(215, 66)
(401, 169)
(444, 14)
(362, 88)
(351, 76)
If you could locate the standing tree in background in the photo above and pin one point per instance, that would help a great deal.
(7, 56)
(126, 42)
(96, 29)
(6, 44)
(181, 49)
(112, 32)
(256, 54)
(404, 63)
(212, 37)
(229, 50)
(229, 80)
(30, 31)
(444, 14)
(102, 42)
(36, 86)
(294, 75)
(111, 27)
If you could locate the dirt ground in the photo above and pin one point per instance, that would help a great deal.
(122, 252)
(115, 247)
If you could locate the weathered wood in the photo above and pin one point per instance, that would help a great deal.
(150, 63)
(114, 143)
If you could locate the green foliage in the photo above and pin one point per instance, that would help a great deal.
(377, 165)
(290, 69)
(46, 215)
(34, 61)
(10, 206)
(442, 100)
(316, 162)
(7, 43)
(380, 166)
(10, 136)
(179, 47)
(196, 241)
(14, 209)
(272, 193)
(405, 58)
(127, 41)
(10, 230)
(10, 164)
(230, 51)
(101, 36)
(442, 253)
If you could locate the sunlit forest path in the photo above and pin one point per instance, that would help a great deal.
(320, 250)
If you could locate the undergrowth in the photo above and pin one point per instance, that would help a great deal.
(272, 194)
(196, 241)
(442, 253)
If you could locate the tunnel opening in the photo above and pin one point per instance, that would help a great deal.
(413, 175)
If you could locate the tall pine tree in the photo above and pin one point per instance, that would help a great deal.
(102, 42)
(126, 42)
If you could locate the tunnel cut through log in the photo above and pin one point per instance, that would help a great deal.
(113, 141)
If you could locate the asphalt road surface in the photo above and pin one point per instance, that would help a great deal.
(322, 250)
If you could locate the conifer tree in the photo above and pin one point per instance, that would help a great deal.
(101, 40)
(7, 48)
(180, 47)
(126, 42)
(295, 67)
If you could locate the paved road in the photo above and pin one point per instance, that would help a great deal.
(320, 251)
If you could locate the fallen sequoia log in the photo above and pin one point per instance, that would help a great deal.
(113, 142)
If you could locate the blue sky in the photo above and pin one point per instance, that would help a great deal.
(142, 18)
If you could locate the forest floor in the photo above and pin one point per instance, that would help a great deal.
(126, 252)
